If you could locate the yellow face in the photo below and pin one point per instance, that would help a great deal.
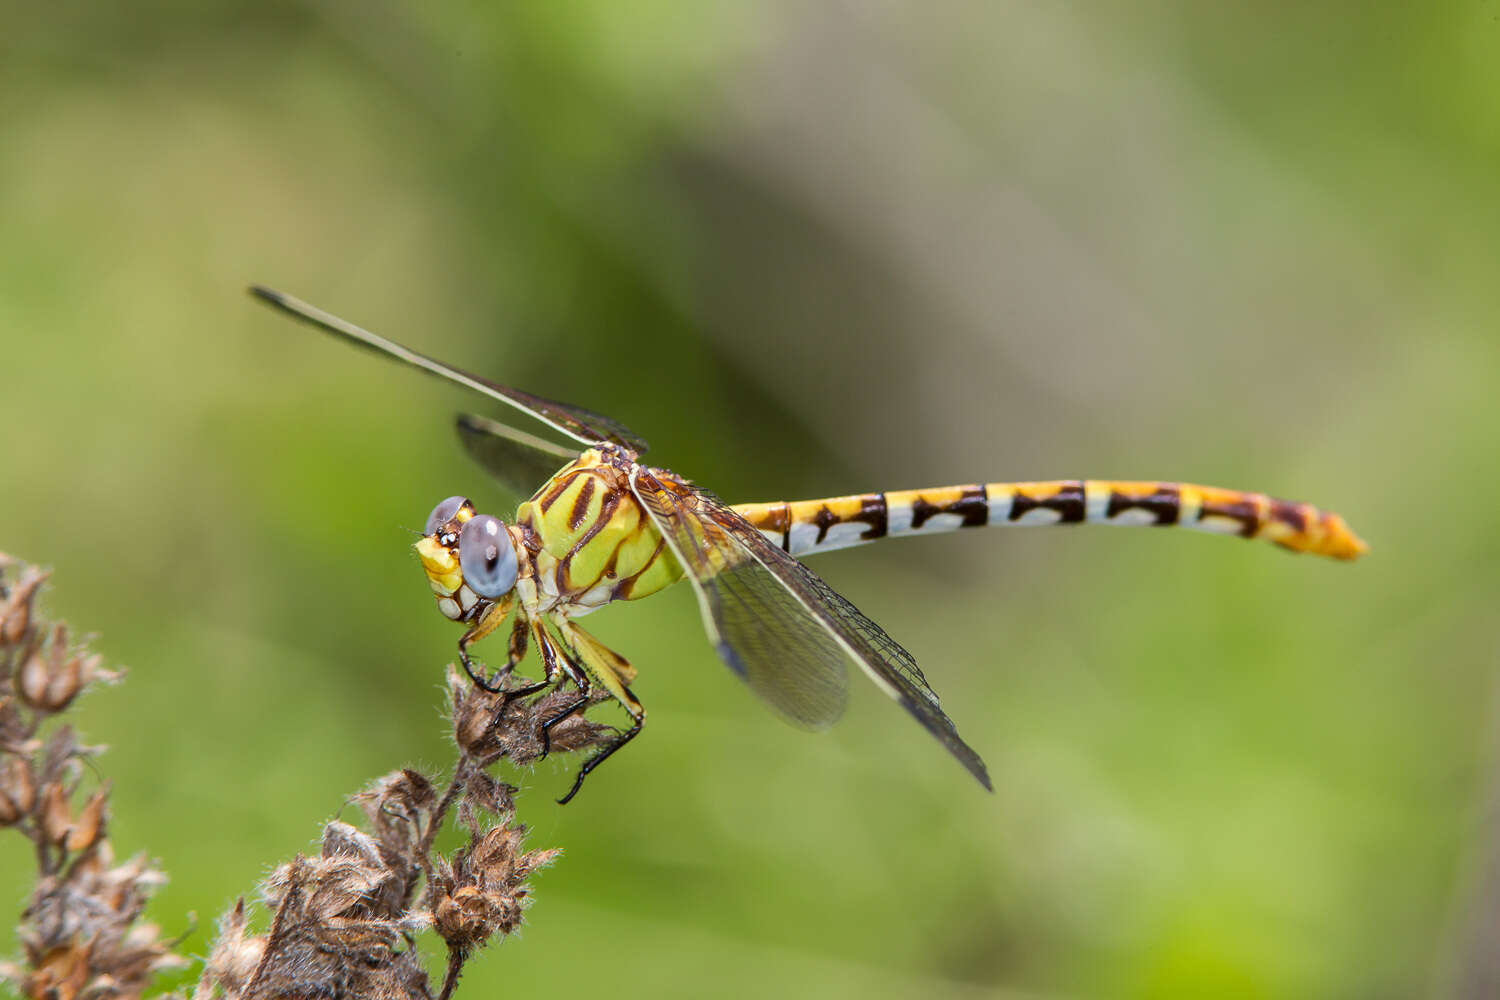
(469, 559)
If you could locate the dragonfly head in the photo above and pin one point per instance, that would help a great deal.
(468, 557)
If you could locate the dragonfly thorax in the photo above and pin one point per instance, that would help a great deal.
(471, 560)
(589, 539)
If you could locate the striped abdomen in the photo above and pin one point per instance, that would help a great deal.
(807, 526)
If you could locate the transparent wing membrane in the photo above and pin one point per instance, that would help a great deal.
(778, 625)
(521, 462)
(577, 423)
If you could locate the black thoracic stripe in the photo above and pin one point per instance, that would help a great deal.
(973, 505)
(606, 511)
(824, 519)
(581, 504)
(1165, 504)
(1242, 511)
(551, 496)
(1068, 501)
(874, 512)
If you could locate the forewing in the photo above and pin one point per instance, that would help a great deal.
(577, 423)
(521, 462)
(755, 623)
(778, 625)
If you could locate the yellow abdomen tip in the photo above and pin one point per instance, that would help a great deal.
(1338, 541)
(1344, 543)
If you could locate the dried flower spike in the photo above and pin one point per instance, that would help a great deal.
(81, 934)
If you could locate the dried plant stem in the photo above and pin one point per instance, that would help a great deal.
(455, 968)
(435, 821)
(292, 896)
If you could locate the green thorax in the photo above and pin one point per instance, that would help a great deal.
(594, 536)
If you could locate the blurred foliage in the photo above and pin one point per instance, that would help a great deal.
(804, 249)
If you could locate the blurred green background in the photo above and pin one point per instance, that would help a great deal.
(804, 250)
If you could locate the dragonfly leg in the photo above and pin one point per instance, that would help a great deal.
(638, 716)
(585, 695)
(556, 661)
(614, 673)
(519, 637)
(488, 623)
(474, 675)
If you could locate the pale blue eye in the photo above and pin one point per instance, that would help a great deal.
(443, 513)
(486, 557)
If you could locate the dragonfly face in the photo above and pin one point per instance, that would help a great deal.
(469, 558)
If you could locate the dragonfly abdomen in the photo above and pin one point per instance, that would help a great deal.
(806, 526)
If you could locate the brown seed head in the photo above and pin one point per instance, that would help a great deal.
(235, 955)
(397, 807)
(50, 678)
(62, 972)
(470, 916)
(336, 930)
(16, 606)
(90, 825)
(489, 726)
(404, 795)
(57, 821)
(17, 790)
(476, 715)
(483, 891)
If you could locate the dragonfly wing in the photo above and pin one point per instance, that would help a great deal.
(577, 423)
(778, 625)
(521, 462)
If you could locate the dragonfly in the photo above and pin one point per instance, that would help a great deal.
(600, 526)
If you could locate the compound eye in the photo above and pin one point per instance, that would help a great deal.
(443, 513)
(486, 557)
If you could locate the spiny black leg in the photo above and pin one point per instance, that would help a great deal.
(584, 694)
(520, 634)
(524, 692)
(558, 661)
(600, 758)
(474, 675)
(516, 652)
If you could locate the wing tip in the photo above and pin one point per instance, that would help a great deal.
(270, 295)
(980, 772)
